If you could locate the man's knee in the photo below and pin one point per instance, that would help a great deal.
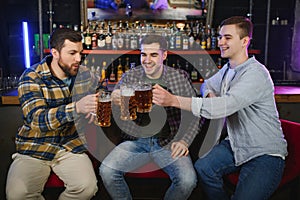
(86, 189)
(189, 179)
(20, 192)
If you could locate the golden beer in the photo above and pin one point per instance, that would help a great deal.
(128, 104)
(128, 108)
(143, 98)
(104, 111)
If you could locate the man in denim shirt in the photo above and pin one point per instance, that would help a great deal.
(243, 92)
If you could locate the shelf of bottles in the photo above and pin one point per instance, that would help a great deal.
(192, 47)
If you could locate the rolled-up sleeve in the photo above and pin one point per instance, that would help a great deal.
(196, 106)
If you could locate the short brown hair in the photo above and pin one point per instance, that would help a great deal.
(58, 37)
(149, 39)
(243, 23)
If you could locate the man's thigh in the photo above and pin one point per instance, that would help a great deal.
(27, 174)
(127, 156)
(74, 168)
(218, 161)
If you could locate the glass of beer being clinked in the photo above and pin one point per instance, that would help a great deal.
(143, 97)
(104, 109)
(128, 103)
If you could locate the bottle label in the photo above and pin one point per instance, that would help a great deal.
(191, 41)
(108, 40)
(101, 43)
(114, 42)
(178, 42)
(133, 44)
(112, 77)
(120, 42)
(185, 44)
(88, 40)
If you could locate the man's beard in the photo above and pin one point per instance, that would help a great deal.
(68, 71)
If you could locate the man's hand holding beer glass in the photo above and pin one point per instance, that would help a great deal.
(164, 98)
(88, 105)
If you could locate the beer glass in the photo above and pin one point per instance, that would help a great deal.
(143, 97)
(104, 109)
(128, 104)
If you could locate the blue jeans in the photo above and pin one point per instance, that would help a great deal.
(258, 178)
(131, 155)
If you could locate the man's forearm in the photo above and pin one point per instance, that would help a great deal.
(183, 103)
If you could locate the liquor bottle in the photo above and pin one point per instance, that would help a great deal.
(94, 40)
(187, 69)
(194, 73)
(101, 39)
(112, 76)
(191, 36)
(120, 29)
(178, 40)
(120, 41)
(208, 37)
(166, 36)
(127, 41)
(103, 71)
(83, 32)
(185, 42)
(88, 39)
(214, 39)
(203, 38)
(119, 70)
(201, 67)
(133, 41)
(127, 67)
(114, 42)
(108, 38)
(172, 40)
(198, 36)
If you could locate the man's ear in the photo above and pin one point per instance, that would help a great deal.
(165, 54)
(246, 41)
(54, 53)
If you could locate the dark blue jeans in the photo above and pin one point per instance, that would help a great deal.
(258, 178)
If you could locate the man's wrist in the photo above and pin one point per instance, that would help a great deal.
(174, 101)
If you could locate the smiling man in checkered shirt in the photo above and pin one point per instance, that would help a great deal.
(162, 137)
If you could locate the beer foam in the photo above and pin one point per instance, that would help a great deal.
(127, 92)
(105, 100)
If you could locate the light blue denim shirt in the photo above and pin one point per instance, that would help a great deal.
(248, 103)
